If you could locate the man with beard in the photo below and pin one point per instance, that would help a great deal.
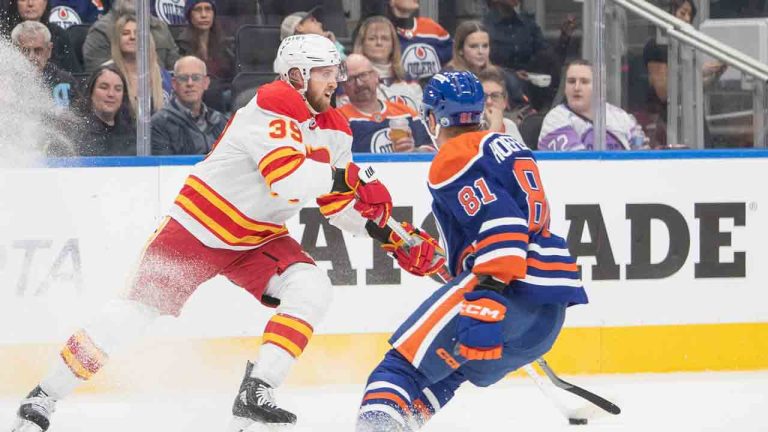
(287, 147)
(373, 119)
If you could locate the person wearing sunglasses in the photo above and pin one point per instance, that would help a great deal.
(186, 125)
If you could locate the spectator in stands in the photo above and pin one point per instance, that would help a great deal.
(471, 49)
(39, 10)
(308, 23)
(372, 119)
(33, 39)
(653, 114)
(542, 83)
(66, 13)
(124, 48)
(377, 40)
(516, 38)
(203, 38)
(186, 125)
(568, 126)
(108, 129)
(496, 103)
(96, 49)
(425, 45)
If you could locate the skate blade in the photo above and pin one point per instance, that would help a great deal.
(242, 424)
(22, 425)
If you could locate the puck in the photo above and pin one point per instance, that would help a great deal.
(577, 421)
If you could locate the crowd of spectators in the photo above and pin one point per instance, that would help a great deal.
(390, 54)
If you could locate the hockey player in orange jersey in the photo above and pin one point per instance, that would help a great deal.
(512, 277)
(285, 149)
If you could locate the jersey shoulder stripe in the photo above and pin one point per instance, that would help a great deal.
(397, 109)
(456, 156)
(282, 99)
(427, 27)
(332, 119)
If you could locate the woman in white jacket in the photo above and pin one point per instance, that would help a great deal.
(568, 126)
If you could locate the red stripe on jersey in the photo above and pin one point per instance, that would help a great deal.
(221, 218)
(332, 119)
(319, 154)
(281, 98)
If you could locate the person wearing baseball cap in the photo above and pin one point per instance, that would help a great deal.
(308, 22)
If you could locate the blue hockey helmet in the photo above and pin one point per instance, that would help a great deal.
(455, 98)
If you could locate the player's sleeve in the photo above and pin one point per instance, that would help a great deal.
(486, 212)
(558, 134)
(338, 203)
(277, 147)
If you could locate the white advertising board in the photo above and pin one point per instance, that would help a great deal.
(680, 241)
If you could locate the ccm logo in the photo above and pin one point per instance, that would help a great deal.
(481, 312)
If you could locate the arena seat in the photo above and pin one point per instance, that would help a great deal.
(76, 34)
(245, 84)
(256, 47)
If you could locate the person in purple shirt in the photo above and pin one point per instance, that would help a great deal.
(568, 126)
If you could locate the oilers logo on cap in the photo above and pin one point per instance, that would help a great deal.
(420, 60)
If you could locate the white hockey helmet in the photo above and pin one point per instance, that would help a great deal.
(305, 52)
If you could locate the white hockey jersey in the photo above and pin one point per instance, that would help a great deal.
(273, 157)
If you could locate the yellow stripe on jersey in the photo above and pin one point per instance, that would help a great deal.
(283, 171)
(226, 208)
(212, 225)
(276, 154)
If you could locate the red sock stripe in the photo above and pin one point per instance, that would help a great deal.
(82, 356)
(290, 333)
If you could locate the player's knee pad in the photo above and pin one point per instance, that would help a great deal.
(305, 292)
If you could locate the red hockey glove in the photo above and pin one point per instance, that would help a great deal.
(373, 199)
(479, 329)
(422, 259)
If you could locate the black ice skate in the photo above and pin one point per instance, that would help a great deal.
(256, 404)
(35, 412)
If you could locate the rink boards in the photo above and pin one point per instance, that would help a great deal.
(672, 249)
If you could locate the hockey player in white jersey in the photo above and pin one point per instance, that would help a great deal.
(285, 149)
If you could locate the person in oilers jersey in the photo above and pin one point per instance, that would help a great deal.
(283, 150)
(512, 278)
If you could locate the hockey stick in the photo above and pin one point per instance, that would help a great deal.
(596, 400)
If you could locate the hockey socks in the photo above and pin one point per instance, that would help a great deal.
(284, 340)
(398, 397)
(119, 323)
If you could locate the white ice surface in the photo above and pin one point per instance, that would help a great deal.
(733, 401)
